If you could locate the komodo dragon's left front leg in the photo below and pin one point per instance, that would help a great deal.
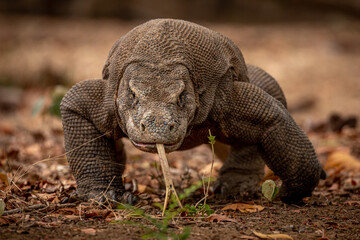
(96, 160)
(250, 117)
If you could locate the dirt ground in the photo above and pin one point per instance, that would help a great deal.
(316, 65)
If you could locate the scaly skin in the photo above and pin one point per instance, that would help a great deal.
(169, 81)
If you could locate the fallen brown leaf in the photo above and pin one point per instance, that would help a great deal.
(269, 175)
(67, 211)
(351, 184)
(205, 171)
(99, 213)
(49, 224)
(90, 231)
(4, 221)
(272, 236)
(4, 178)
(33, 149)
(333, 224)
(72, 217)
(352, 203)
(243, 207)
(220, 218)
(334, 187)
(47, 196)
(141, 188)
(342, 160)
(55, 200)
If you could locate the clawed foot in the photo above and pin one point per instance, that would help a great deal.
(293, 191)
(294, 194)
(103, 197)
(238, 186)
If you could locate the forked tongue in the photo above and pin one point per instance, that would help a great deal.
(167, 176)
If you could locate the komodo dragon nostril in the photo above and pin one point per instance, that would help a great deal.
(142, 127)
(171, 127)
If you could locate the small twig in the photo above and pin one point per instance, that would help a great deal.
(56, 157)
(203, 185)
(212, 142)
(44, 201)
(36, 206)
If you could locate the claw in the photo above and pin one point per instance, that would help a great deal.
(237, 186)
(293, 197)
(129, 198)
(111, 196)
(75, 197)
(323, 174)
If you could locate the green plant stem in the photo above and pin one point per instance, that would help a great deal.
(212, 142)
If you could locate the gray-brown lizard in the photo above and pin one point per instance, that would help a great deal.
(169, 81)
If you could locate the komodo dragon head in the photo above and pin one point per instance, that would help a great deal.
(165, 80)
(156, 103)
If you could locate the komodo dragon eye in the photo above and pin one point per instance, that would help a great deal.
(133, 94)
(181, 99)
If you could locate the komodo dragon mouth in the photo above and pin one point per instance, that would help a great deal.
(151, 147)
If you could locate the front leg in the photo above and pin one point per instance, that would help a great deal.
(251, 116)
(241, 173)
(96, 163)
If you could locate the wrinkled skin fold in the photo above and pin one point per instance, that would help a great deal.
(170, 81)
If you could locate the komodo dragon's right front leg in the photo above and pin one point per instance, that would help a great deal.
(250, 117)
(89, 143)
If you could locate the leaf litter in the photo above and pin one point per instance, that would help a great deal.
(22, 144)
(35, 194)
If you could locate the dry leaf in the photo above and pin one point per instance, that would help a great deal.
(272, 236)
(220, 218)
(4, 221)
(141, 188)
(4, 178)
(351, 184)
(50, 224)
(33, 149)
(352, 203)
(205, 171)
(243, 207)
(334, 187)
(90, 231)
(47, 196)
(68, 211)
(97, 213)
(55, 200)
(72, 217)
(342, 160)
(269, 175)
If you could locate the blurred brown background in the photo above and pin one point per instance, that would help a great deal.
(312, 47)
(251, 11)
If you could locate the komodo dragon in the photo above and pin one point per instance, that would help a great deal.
(170, 81)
